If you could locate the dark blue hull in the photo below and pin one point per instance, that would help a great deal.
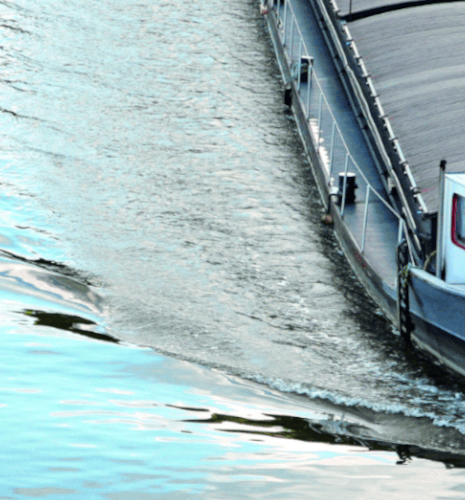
(438, 313)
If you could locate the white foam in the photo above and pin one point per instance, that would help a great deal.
(451, 405)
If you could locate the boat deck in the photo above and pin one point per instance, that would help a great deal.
(380, 238)
(355, 7)
(415, 58)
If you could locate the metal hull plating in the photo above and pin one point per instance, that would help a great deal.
(438, 312)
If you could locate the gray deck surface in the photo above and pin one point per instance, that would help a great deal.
(382, 227)
(361, 5)
(416, 57)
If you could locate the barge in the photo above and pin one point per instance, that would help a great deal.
(376, 90)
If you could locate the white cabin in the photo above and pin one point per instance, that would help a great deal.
(451, 253)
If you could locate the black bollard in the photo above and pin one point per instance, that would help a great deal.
(351, 186)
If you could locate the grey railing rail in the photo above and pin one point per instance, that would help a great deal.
(295, 50)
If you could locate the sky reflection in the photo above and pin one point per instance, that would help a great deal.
(85, 417)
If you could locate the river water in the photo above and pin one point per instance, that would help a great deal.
(177, 323)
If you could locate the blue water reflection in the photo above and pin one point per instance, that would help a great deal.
(80, 416)
(87, 419)
(73, 415)
(145, 151)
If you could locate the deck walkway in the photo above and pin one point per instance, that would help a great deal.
(382, 226)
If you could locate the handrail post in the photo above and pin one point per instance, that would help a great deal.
(319, 120)
(285, 22)
(333, 133)
(299, 65)
(309, 89)
(440, 223)
(344, 185)
(291, 43)
(365, 218)
(400, 231)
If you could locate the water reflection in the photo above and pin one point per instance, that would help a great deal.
(291, 427)
(25, 283)
(78, 281)
(71, 323)
(106, 420)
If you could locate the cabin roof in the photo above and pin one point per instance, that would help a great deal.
(458, 178)
(415, 57)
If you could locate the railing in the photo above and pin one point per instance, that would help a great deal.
(329, 142)
(403, 161)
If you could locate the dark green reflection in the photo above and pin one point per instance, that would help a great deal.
(69, 323)
(305, 430)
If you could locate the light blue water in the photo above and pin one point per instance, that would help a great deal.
(156, 202)
(89, 419)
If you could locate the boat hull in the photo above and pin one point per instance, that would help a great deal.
(437, 310)
(438, 313)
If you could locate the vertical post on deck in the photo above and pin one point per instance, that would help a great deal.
(291, 43)
(440, 228)
(320, 108)
(400, 230)
(285, 22)
(344, 185)
(365, 218)
(309, 87)
(333, 133)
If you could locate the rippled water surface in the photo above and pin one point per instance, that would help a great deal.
(155, 194)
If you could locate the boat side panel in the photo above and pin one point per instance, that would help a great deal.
(383, 294)
(439, 317)
(451, 352)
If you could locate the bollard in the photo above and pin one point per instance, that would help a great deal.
(288, 96)
(305, 63)
(351, 186)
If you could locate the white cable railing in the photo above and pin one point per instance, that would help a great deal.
(330, 144)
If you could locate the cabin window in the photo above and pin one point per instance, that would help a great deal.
(458, 220)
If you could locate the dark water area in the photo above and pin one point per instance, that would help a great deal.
(177, 323)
